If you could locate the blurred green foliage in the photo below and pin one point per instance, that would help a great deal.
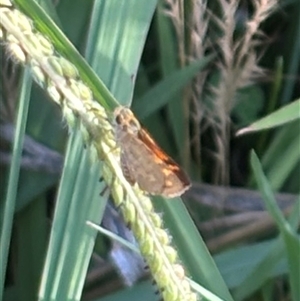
(154, 86)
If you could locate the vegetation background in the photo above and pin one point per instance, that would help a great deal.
(200, 72)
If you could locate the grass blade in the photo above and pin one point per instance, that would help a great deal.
(9, 204)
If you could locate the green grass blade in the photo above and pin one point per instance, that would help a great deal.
(168, 88)
(282, 168)
(282, 156)
(268, 262)
(31, 228)
(242, 265)
(63, 203)
(71, 241)
(10, 201)
(292, 242)
(284, 115)
(115, 52)
(262, 270)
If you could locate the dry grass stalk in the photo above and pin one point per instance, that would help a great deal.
(190, 28)
(198, 48)
(238, 68)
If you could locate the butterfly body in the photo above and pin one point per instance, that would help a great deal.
(143, 161)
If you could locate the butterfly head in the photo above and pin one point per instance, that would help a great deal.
(126, 121)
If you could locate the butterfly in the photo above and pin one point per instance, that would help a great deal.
(143, 161)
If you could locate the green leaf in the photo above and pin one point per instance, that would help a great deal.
(72, 241)
(170, 86)
(287, 233)
(282, 156)
(282, 116)
(242, 266)
(31, 228)
(7, 211)
(116, 39)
